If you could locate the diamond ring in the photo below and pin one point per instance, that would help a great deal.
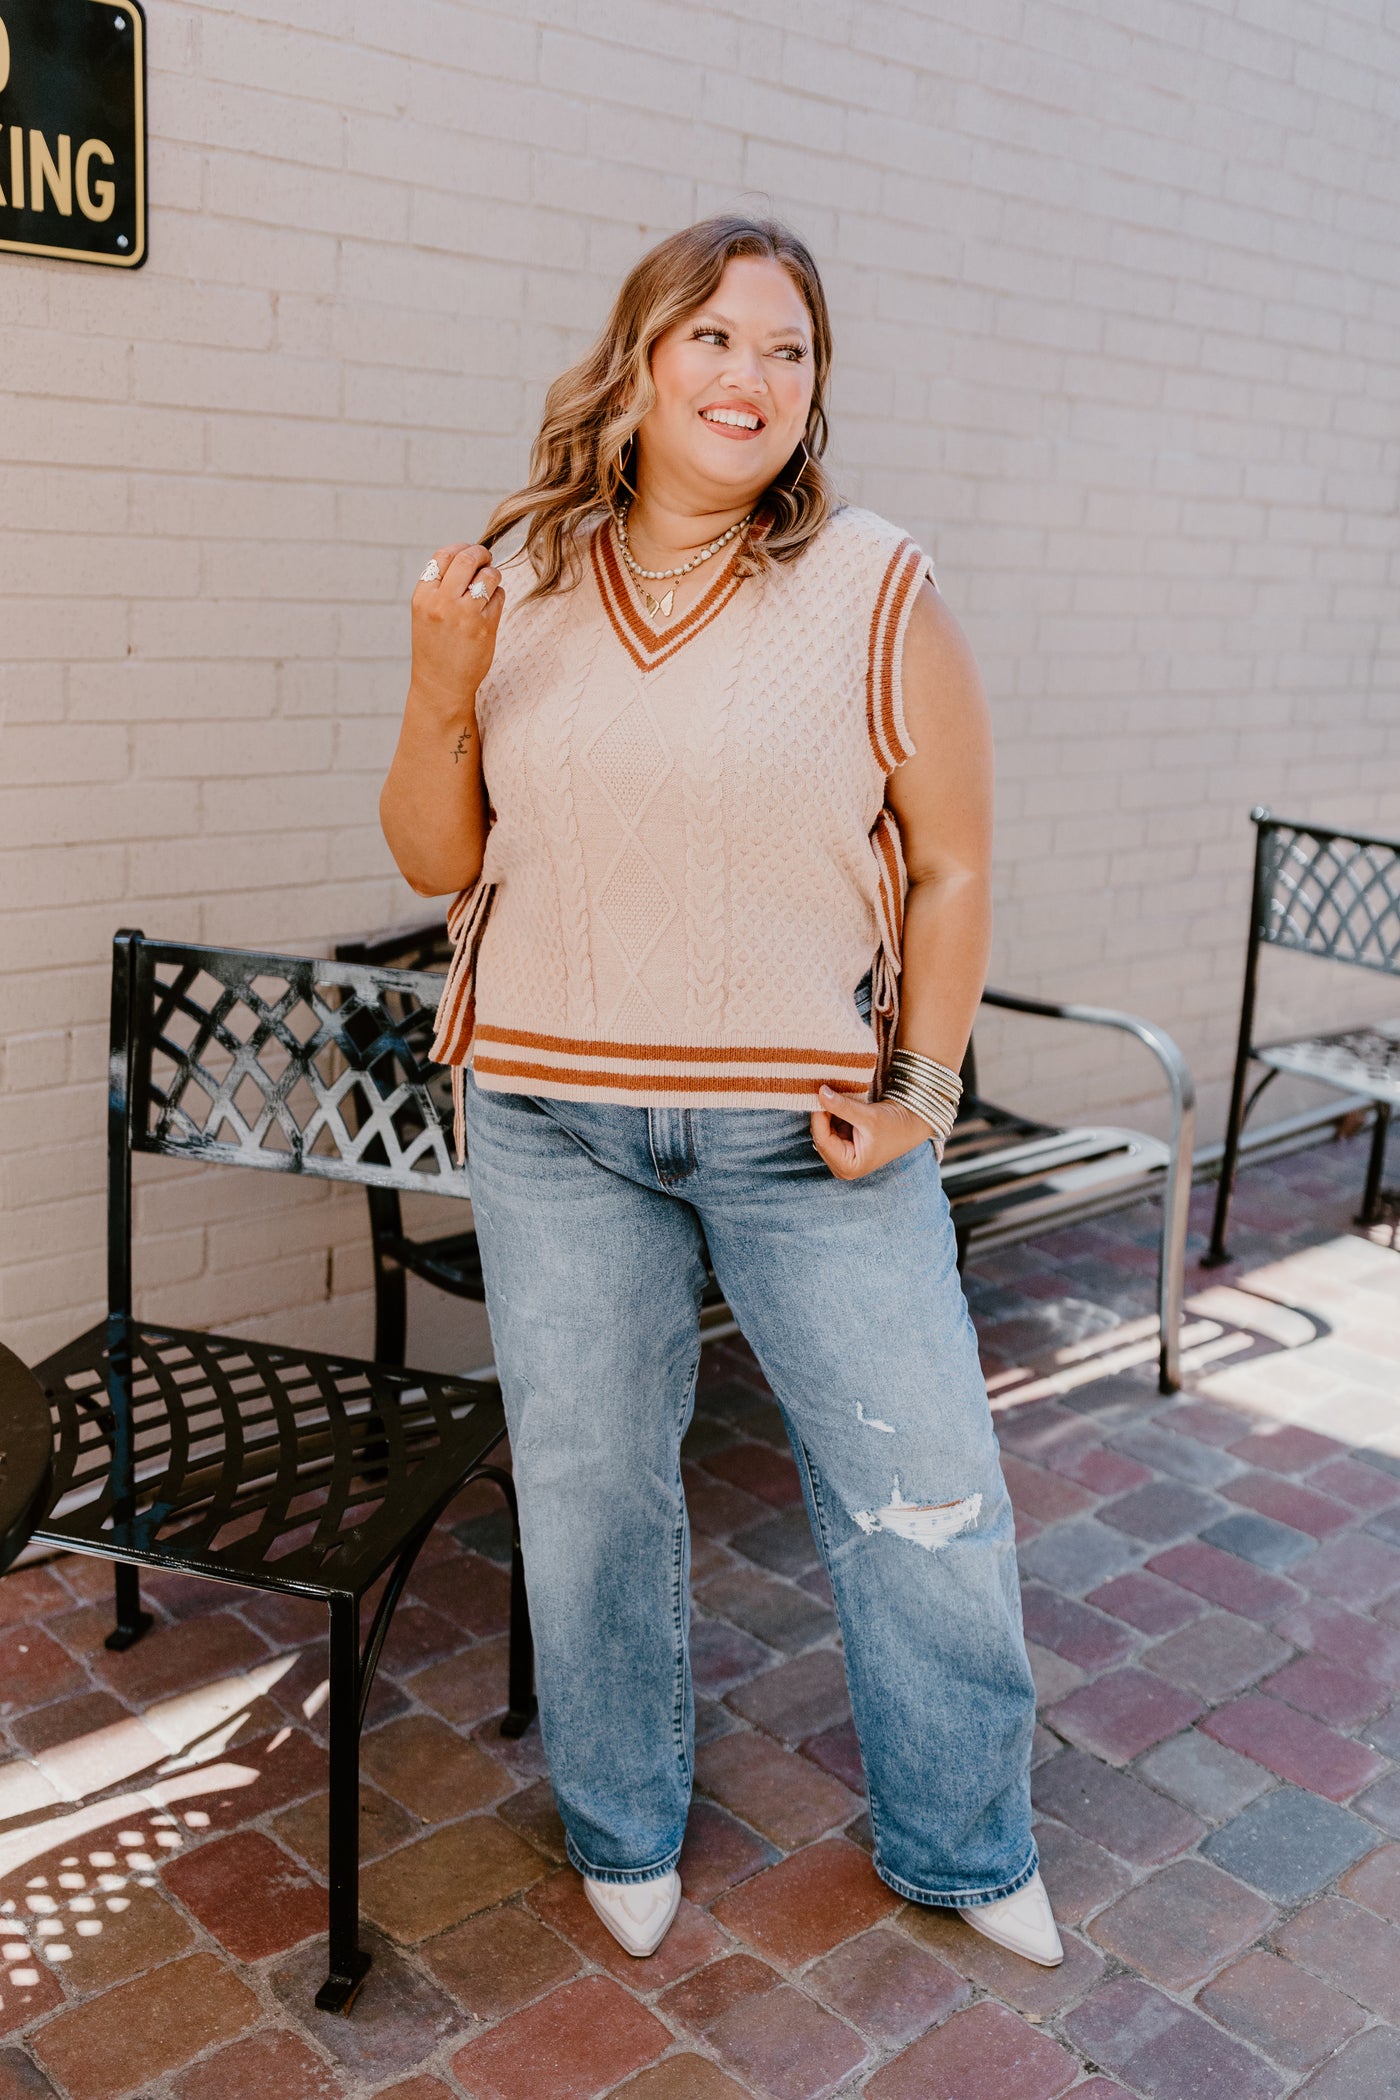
(432, 574)
(478, 590)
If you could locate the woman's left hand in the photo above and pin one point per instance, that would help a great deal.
(874, 1133)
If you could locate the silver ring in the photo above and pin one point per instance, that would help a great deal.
(478, 590)
(432, 574)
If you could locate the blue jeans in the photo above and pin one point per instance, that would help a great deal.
(593, 1219)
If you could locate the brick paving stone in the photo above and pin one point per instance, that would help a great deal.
(1099, 1469)
(87, 1743)
(808, 1903)
(1352, 1948)
(532, 1812)
(285, 1766)
(1384, 1733)
(702, 1998)
(430, 1769)
(1090, 1639)
(1079, 1875)
(759, 1470)
(1386, 1526)
(1113, 1809)
(837, 1750)
(438, 1880)
(1054, 1678)
(400, 2017)
(496, 1962)
(1362, 1487)
(1042, 1430)
(305, 1829)
(1219, 1654)
(774, 1612)
(1203, 1775)
(1147, 1602)
(28, 1989)
(581, 2040)
(1344, 1637)
(1165, 2050)
(416, 1635)
(472, 1592)
(1121, 1714)
(693, 1939)
(681, 2078)
(1376, 1883)
(467, 1686)
(1286, 1448)
(1048, 1497)
(780, 1794)
(1355, 1570)
(133, 2035)
(1182, 1923)
(718, 1510)
(1078, 1556)
(1163, 1510)
(787, 2046)
(1294, 1745)
(1382, 1802)
(1224, 1579)
(34, 1669)
(1023, 1985)
(424, 2088)
(273, 2065)
(721, 1656)
(719, 1853)
(249, 1894)
(985, 2053)
(1292, 2016)
(134, 1932)
(21, 2078)
(784, 1543)
(1183, 1457)
(1366, 2069)
(1290, 1844)
(1259, 1540)
(1303, 1508)
(1327, 1691)
(1205, 1419)
(1102, 2089)
(797, 1699)
(886, 1986)
(32, 1594)
(175, 1658)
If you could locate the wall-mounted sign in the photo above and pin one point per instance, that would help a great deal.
(73, 130)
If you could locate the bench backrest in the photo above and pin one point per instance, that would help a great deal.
(1332, 894)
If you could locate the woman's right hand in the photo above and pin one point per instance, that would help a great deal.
(454, 633)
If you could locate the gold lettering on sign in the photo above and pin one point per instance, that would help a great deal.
(4, 56)
(42, 170)
(17, 167)
(99, 206)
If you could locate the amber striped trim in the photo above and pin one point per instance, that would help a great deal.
(889, 735)
(670, 1053)
(667, 1082)
(643, 644)
(889, 862)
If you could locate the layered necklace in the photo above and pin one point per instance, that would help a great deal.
(659, 608)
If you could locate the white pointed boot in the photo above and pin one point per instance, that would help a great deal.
(1024, 1922)
(638, 1914)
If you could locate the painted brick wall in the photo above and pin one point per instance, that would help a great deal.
(1117, 292)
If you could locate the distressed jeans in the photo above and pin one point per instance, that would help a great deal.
(593, 1220)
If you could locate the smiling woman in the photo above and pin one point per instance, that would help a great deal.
(706, 763)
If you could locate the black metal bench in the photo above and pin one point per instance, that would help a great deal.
(1008, 1176)
(1334, 895)
(252, 1463)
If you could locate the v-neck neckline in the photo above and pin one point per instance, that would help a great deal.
(646, 645)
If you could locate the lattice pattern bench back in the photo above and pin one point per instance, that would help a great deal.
(285, 1062)
(1328, 893)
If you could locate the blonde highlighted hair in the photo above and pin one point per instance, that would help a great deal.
(580, 461)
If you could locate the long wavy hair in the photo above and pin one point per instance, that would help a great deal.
(582, 459)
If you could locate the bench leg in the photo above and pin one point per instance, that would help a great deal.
(1375, 1167)
(132, 1622)
(348, 1961)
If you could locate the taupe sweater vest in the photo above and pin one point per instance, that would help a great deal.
(690, 866)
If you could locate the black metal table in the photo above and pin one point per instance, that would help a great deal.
(26, 1454)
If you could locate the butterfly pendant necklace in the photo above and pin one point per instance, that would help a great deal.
(660, 608)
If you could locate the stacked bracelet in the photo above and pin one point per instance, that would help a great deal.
(930, 1089)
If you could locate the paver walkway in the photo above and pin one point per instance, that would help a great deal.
(1212, 1593)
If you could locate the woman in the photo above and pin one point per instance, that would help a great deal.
(707, 765)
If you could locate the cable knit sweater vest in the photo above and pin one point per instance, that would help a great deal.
(690, 866)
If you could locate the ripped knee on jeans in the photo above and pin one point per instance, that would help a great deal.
(926, 1524)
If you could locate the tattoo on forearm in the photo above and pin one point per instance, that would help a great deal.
(459, 749)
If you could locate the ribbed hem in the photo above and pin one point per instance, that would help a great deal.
(672, 1075)
(618, 1875)
(959, 1899)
